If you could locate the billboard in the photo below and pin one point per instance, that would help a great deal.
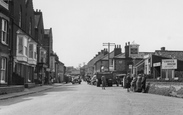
(169, 63)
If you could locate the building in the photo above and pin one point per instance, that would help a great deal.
(60, 72)
(41, 52)
(91, 67)
(47, 44)
(107, 60)
(24, 45)
(155, 68)
(5, 43)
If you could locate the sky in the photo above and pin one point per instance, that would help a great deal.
(80, 27)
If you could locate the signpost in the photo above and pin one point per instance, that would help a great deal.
(169, 64)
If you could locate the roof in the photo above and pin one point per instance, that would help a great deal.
(170, 54)
(122, 55)
(111, 55)
(141, 55)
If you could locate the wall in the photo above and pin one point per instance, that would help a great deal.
(174, 89)
(13, 89)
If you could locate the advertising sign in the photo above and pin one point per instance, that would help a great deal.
(156, 64)
(133, 50)
(169, 64)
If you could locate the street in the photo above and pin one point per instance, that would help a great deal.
(84, 99)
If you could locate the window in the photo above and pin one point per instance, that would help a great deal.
(35, 52)
(20, 17)
(20, 45)
(4, 31)
(3, 70)
(30, 50)
(30, 26)
(25, 47)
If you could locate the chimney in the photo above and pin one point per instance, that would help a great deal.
(127, 50)
(162, 48)
(117, 50)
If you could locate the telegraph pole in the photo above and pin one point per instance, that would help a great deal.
(108, 44)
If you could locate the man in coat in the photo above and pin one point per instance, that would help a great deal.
(103, 78)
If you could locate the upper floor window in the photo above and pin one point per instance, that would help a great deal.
(20, 18)
(4, 31)
(32, 51)
(30, 26)
(3, 70)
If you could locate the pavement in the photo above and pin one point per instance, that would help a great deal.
(28, 91)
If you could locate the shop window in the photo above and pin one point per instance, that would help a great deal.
(3, 70)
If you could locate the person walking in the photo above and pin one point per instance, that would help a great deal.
(128, 82)
(139, 83)
(143, 83)
(133, 83)
(103, 78)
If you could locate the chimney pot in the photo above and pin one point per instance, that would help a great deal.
(162, 48)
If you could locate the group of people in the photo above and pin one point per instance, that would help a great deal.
(135, 83)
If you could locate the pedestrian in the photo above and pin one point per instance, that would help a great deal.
(103, 78)
(133, 83)
(128, 82)
(139, 83)
(143, 83)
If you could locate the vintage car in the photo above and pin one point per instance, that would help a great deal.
(76, 80)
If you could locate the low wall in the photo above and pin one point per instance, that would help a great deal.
(11, 89)
(174, 89)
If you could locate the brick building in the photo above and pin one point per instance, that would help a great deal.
(24, 45)
(41, 52)
(5, 44)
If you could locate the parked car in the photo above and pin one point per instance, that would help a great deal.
(76, 80)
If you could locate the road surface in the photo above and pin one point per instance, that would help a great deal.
(84, 99)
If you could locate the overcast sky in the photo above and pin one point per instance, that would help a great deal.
(80, 27)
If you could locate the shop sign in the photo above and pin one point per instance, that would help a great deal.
(156, 64)
(169, 63)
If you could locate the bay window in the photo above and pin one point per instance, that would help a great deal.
(35, 52)
(30, 50)
(20, 45)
